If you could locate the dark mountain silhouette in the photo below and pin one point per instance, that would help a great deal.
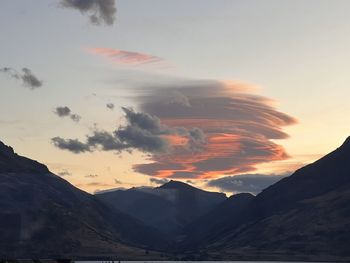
(169, 207)
(42, 215)
(304, 216)
(217, 221)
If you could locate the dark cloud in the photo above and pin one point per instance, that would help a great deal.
(64, 111)
(158, 181)
(28, 79)
(75, 117)
(110, 106)
(72, 145)
(142, 131)
(144, 121)
(99, 11)
(105, 140)
(246, 183)
(135, 137)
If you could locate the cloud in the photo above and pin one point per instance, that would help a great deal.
(110, 106)
(125, 57)
(246, 183)
(99, 11)
(99, 191)
(158, 181)
(64, 173)
(117, 181)
(72, 145)
(105, 140)
(143, 132)
(28, 79)
(91, 176)
(64, 111)
(240, 128)
(75, 117)
(197, 129)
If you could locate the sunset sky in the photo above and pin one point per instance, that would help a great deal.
(191, 90)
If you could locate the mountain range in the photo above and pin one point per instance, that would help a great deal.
(169, 207)
(302, 217)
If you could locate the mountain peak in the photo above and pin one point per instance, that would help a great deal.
(172, 184)
(6, 150)
(11, 162)
(346, 144)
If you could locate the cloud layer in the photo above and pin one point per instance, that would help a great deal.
(245, 183)
(29, 80)
(239, 128)
(99, 11)
(124, 57)
(194, 130)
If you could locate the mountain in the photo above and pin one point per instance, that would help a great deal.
(43, 216)
(302, 217)
(217, 221)
(169, 207)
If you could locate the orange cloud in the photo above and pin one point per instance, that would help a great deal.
(239, 128)
(124, 57)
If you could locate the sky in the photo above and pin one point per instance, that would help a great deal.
(226, 95)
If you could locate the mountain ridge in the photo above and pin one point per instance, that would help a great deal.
(303, 216)
(42, 215)
(168, 207)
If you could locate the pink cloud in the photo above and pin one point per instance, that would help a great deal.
(125, 57)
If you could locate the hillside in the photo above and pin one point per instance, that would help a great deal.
(43, 215)
(302, 217)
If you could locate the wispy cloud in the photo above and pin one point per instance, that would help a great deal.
(91, 176)
(64, 173)
(124, 57)
(99, 11)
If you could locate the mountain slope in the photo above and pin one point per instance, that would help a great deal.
(304, 216)
(217, 221)
(169, 207)
(42, 215)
